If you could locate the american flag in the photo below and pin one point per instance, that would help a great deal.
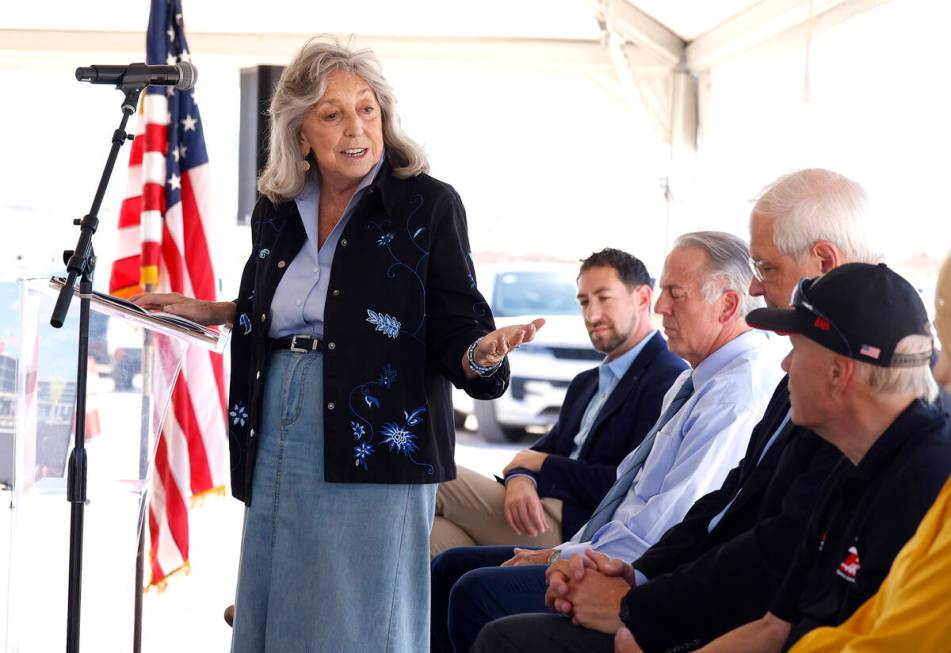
(163, 245)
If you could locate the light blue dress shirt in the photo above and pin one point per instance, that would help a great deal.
(298, 304)
(695, 450)
(609, 375)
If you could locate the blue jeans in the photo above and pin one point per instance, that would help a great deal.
(335, 567)
(470, 589)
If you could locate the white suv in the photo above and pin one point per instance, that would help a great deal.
(542, 369)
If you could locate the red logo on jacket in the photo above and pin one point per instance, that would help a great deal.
(849, 567)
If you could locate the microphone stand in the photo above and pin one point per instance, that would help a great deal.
(81, 263)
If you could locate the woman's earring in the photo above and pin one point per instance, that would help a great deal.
(305, 165)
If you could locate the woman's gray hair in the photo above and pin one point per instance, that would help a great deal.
(301, 85)
(816, 204)
(918, 381)
(728, 266)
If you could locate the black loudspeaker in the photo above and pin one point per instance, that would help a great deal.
(257, 86)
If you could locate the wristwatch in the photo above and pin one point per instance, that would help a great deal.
(554, 557)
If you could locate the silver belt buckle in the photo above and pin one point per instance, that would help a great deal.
(294, 346)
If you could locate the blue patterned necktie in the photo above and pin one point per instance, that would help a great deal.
(609, 504)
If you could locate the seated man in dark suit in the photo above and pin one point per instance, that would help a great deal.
(552, 488)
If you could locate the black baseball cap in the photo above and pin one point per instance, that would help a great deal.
(857, 310)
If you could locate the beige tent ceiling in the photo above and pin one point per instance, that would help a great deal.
(692, 32)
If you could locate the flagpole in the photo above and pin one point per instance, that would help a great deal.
(144, 457)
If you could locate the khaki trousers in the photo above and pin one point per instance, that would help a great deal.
(470, 511)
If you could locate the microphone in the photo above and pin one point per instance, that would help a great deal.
(136, 75)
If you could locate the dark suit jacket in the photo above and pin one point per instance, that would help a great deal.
(623, 421)
(701, 584)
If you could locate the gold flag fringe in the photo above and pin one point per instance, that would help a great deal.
(195, 501)
(162, 584)
(199, 499)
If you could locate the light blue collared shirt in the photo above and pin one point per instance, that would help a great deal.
(298, 304)
(609, 375)
(695, 450)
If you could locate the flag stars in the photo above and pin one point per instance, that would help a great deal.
(170, 59)
(185, 56)
(179, 152)
(170, 91)
(171, 33)
(189, 123)
(175, 182)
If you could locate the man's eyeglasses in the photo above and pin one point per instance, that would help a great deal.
(762, 270)
(801, 300)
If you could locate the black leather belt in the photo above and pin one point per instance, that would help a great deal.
(300, 344)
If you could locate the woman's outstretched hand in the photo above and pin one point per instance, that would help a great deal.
(496, 345)
(196, 310)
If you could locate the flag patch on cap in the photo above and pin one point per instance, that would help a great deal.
(870, 351)
(849, 567)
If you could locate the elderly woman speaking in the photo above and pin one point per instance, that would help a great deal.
(357, 307)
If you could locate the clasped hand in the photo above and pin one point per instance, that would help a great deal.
(589, 589)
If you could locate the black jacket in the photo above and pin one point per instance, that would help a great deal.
(401, 309)
(702, 584)
(623, 421)
(866, 514)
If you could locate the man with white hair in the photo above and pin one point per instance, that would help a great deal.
(703, 430)
(740, 539)
(859, 377)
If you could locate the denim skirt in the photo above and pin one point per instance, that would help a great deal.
(335, 567)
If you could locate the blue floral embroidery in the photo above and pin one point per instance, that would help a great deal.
(399, 439)
(388, 377)
(372, 402)
(239, 414)
(385, 324)
(415, 417)
(245, 322)
(360, 454)
(404, 261)
(264, 253)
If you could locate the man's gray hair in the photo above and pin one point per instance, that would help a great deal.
(728, 266)
(918, 381)
(816, 204)
(301, 85)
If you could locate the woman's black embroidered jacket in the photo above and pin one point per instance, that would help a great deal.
(402, 307)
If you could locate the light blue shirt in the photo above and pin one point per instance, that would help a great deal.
(609, 375)
(695, 450)
(298, 304)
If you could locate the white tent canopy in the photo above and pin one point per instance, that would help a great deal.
(566, 126)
